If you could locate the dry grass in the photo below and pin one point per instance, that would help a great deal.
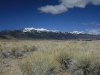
(38, 63)
(52, 55)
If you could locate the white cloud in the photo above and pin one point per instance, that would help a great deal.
(94, 31)
(57, 9)
(66, 4)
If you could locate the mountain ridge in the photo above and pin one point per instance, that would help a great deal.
(41, 33)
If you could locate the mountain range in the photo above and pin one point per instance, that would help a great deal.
(41, 33)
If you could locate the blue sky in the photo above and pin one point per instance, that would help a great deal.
(62, 15)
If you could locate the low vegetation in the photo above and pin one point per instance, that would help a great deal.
(50, 57)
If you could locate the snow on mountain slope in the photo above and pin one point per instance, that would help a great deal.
(77, 32)
(30, 29)
(38, 29)
(46, 30)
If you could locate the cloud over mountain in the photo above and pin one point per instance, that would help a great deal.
(66, 4)
(94, 31)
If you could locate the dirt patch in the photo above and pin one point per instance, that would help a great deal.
(9, 62)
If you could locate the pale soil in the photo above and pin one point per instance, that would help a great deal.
(9, 62)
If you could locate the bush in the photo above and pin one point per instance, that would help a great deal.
(17, 52)
(95, 64)
(33, 48)
(5, 54)
(64, 57)
(29, 48)
(83, 61)
(38, 64)
(25, 66)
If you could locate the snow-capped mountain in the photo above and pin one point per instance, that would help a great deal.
(46, 30)
(78, 32)
(38, 29)
(41, 33)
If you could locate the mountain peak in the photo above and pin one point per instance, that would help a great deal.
(38, 29)
(77, 32)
